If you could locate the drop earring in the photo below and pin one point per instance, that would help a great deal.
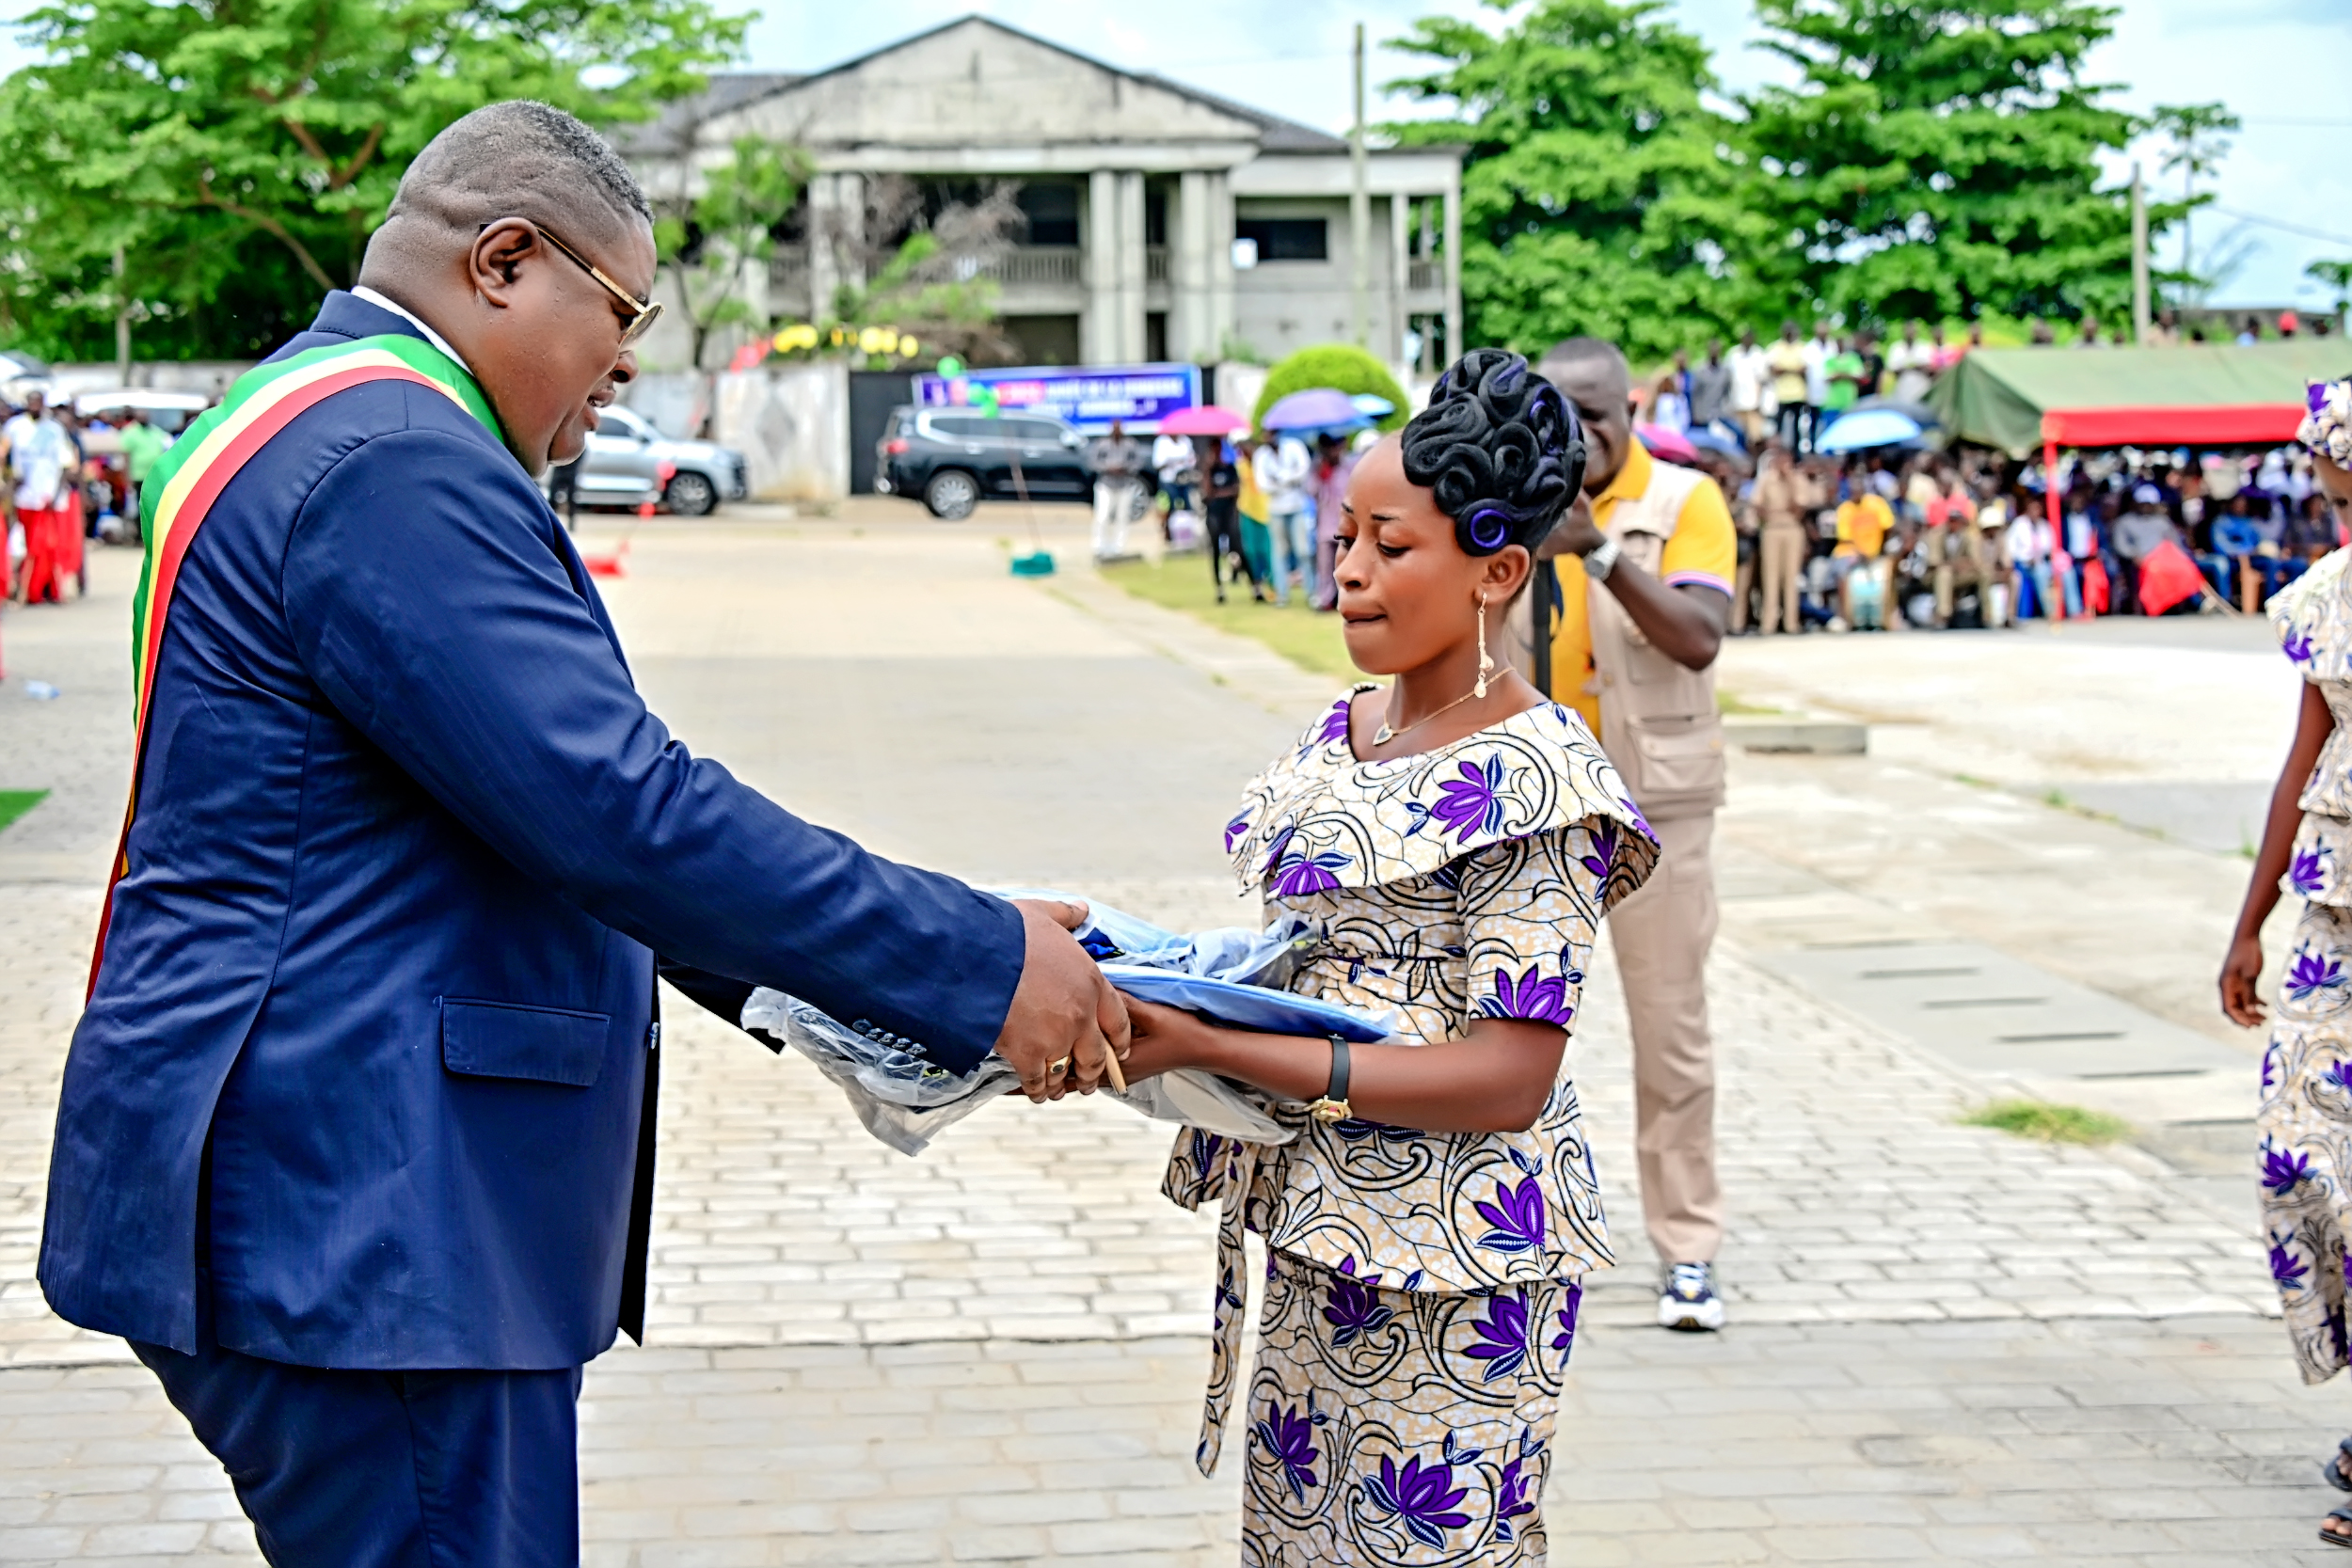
(1485, 661)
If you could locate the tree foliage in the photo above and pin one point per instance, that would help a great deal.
(1600, 195)
(1940, 159)
(1341, 367)
(179, 133)
(710, 242)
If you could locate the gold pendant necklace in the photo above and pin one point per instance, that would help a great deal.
(1382, 735)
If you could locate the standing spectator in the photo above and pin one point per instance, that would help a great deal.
(39, 457)
(1334, 465)
(1743, 518)
(1781, 501)
(1645, 562)
(1817, 350)
(2250, 332)
(2088, 336)
(1841, 381)
(143, 446)
(2027, 547)
(1751, 387)
(1710, 387)
(2038, 334)
(1669, 402)
(1792, 375)
(1865, 344)
(1257, 540)
(2164, 331)
(1286, 474)
(1118, 464)
(1220, 517)
(563, 489)
(1912, 364)
(1172, 461)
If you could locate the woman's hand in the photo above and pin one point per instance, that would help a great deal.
(2239, 970)
(1164, 1037)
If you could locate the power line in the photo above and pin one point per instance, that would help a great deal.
(2274, 223)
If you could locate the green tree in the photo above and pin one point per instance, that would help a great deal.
(2336, 277)
(1600, 196)
(712, 243)
(2199, 134)
(1341, 367)
(180, 133)
(1941, 159)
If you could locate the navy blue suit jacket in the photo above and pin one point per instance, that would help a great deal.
(370, 1064)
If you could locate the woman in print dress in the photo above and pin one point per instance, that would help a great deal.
(2306, 1117)
(1458, 839)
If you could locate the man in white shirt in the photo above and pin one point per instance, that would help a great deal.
(1751, 386)
(42, 463)
(1914, 364)
(1817, 350)
(1283, 471)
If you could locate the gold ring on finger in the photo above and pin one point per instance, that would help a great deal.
(1059, 1067)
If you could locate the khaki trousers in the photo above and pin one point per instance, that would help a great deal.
(1780, 552)
(1660, 935)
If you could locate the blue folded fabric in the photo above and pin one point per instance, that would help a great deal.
(1272, 1012)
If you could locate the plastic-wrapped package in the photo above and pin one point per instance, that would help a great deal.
(1232, 974)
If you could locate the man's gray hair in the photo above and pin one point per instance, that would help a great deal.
(518, 159)
(1579, 351)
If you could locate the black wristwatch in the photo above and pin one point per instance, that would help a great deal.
(1333, 1105)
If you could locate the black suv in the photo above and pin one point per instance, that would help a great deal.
(952, 459)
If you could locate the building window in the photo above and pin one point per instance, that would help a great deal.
(1052, 209)
(1287, 239)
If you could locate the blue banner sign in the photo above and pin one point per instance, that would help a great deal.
(1088, 395)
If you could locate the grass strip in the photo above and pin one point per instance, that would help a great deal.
(1310, 638)
(2048, 1124)
(16, 802)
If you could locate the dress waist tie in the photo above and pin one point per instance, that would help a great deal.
(1231, 1300)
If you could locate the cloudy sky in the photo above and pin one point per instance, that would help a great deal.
(2280, 63)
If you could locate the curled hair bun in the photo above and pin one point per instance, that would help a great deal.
(1499, 449)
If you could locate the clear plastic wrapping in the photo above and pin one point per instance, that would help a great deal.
(1232, 974)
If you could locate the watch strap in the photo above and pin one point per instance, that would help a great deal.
(1601, 560)
(1333, 1105)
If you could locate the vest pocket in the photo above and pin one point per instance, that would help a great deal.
(506, 1040)
(1676, 757)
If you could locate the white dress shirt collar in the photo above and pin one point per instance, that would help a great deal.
(384, 301)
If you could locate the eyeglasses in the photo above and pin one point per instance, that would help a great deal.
(648, 312)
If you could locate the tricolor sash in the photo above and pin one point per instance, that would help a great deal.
(180, 489)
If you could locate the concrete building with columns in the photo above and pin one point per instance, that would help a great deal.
(1158, 222)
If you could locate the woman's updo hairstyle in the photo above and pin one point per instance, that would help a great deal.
(1499, 449)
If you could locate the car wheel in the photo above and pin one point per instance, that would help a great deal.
(691, 495)
(951, 495)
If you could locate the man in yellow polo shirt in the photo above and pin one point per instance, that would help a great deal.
(1645, 560)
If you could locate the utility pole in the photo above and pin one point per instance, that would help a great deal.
(122, 323)
(1359, 213)
(2139, 259)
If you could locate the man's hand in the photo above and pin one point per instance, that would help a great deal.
(1573, 534)
(1065, 1018)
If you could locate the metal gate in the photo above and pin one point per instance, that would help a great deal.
(872, 395)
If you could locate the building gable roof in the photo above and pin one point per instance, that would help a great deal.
(965, 82)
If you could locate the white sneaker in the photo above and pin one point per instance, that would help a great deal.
(1687, 1300)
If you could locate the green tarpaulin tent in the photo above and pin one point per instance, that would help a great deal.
(2200, 394)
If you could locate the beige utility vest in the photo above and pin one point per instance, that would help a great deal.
(1658, 722)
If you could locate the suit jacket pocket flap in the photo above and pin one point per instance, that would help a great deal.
(503, 1040)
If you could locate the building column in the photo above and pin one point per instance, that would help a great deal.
(1130, 258)
(837, 221)
(1218, 219)
(1189, 334)
(1097, 325)
(1399, 274)
(1453, 265)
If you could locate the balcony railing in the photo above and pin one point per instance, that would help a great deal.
(1046, 265)
(1424, 275)
(1156, 263)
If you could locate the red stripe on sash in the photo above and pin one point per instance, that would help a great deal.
(193, 509)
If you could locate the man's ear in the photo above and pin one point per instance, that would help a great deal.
(493, 264)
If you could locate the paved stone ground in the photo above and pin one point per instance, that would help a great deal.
(1949, 1345)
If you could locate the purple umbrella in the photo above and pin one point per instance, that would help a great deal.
(1316, 408)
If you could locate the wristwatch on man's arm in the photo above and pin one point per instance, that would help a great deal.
(1601, 560)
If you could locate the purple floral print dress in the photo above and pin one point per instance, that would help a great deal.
(1422, 1287)
(2306, 1115)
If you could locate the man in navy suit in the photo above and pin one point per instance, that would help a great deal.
(356, 1139)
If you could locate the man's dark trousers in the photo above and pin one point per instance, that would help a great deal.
(362, 1469)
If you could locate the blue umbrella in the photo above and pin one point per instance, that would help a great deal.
(1869, 427)
(1372, 407)
(1316, 408)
